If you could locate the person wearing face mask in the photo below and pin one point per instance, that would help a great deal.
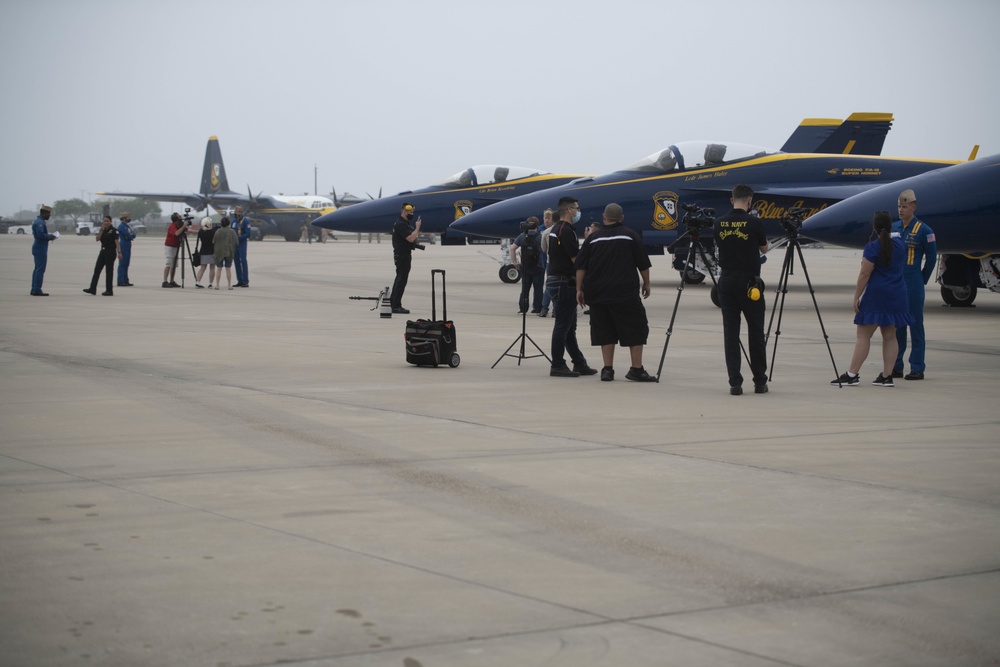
(561, 286)
(125, 237)
(404, 240)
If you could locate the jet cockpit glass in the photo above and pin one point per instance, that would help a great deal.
(489, 174)
(697, 155)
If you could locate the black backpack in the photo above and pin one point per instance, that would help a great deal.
(531, 250)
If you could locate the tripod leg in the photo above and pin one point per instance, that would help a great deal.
(812, 292)
(688, 265)
(779, 306)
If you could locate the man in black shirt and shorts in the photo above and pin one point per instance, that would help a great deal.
(740, 239)
(607, 279)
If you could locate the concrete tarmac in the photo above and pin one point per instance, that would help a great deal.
(257, 477)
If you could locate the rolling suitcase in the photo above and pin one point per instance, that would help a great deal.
(432, 342)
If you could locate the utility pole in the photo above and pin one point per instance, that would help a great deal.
(315, 179)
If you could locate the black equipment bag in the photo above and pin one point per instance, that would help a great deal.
(432, 342)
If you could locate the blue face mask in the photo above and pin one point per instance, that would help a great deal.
(576, 217)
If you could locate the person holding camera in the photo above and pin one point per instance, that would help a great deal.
(608, 268)
(529, 264)
(107, 236)
(740, 240)
(561, 286)
(125, 237)
(404, 240)
(171, 247)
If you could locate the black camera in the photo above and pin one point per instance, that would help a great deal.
(697, 217)
(187, 217)
(419, 246)
(793, 218)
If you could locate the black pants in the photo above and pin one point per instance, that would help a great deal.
(735, 302)
(403, 262)
(106, 261)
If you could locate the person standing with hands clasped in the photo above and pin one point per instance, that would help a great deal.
(561, 286)
(883, 305)
(740, 239)
(921, 249)
(608, 268)
(404, 240)
(107, 236)
(241, 225)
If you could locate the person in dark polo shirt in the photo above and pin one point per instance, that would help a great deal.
(561, 286)
(740, 239)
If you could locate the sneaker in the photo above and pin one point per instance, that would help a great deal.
(166, 284)
(914, 375)
(882, 381)
(897, 374)
(230, 287)
(760, 388)
(735, 391)
(639, 375)
(584, 369)
(199, 286)
(172, 284)
(848, 381)
(563, 372)
(543, 313)
(607, 374)
(400, 311)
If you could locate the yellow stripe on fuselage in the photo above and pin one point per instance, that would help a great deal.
(503, 184)
(767, 159)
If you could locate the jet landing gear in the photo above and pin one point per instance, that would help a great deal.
(958, 297)
(509, 273)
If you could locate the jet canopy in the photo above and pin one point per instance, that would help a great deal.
(697, 155)
(489, 174)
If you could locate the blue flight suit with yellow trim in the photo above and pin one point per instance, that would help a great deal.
(125, 237)
(242, 228)
(40, 250)
(921, 256)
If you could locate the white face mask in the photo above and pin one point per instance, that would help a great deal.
(576, 217)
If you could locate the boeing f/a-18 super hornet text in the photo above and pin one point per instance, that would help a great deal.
(960, 203)
(653, 191)
(274, 214)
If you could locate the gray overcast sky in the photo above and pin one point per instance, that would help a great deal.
(123, 95)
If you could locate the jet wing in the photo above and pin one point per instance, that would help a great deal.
(193, 199)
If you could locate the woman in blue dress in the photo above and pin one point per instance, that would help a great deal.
(879, 301)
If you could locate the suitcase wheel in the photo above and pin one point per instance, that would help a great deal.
(455, 360)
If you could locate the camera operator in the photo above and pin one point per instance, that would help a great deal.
(740, 240)
(529, 244)
(404, 240)
(172, 245)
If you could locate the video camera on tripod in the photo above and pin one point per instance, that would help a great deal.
(793, 218)
(697, 217)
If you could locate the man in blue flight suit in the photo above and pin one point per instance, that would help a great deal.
(242, 228)
(921, 249)
(40, 249)
(125, 237)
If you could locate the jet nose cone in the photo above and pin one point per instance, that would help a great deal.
(846, 223)
(500, 220)
(357, 218)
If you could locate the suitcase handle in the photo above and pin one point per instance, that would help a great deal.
(444, 301)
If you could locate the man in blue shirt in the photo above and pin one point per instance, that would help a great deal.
(40, 249)
(125, 237)
(921, 255)
(242, 228)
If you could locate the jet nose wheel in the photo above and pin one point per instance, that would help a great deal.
(694, 277)
(509, 273)
(958, 296)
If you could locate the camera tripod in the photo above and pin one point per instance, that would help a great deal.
(695, 249)
(792, 247)
(184, 245)
(521, 339)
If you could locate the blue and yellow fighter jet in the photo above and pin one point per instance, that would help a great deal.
(441, 204)
(960, 203)
(474, 188)
(653, 191)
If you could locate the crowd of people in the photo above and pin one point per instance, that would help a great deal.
(608, 274)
